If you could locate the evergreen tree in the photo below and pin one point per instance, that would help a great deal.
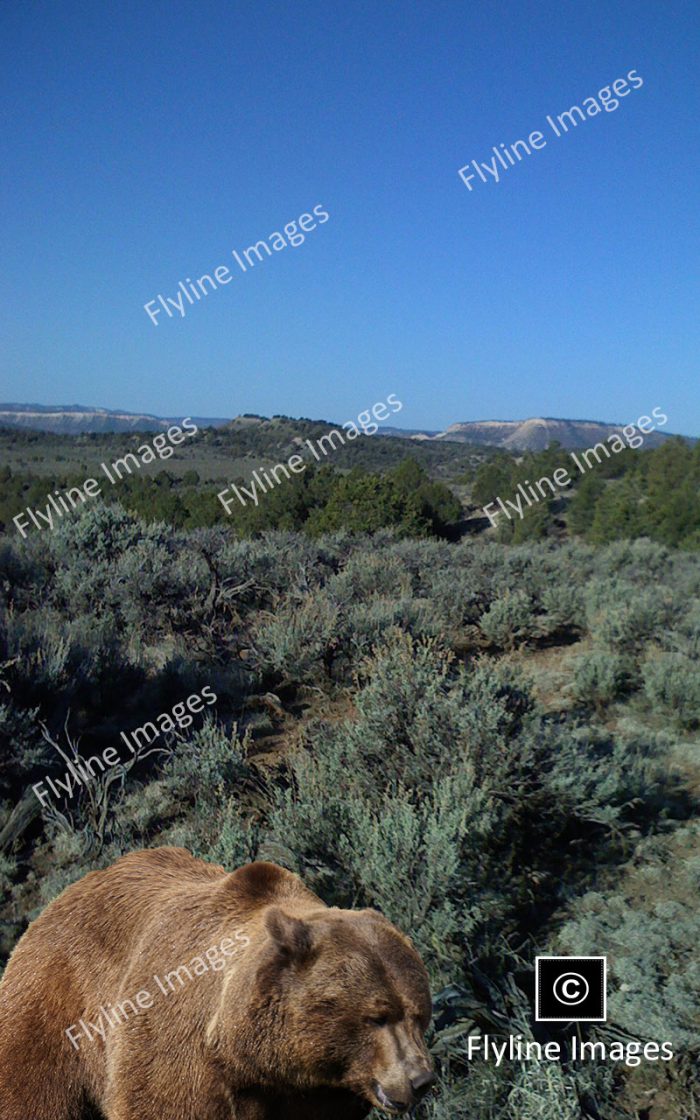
(582, 507)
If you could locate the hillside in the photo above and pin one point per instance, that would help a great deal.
(534, 434)
(72, 419)
(435, 487)
(537, 433)
(227, 452)
(496, 746)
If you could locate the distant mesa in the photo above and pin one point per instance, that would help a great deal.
(537, 433)
(534, 434)
(73, 419)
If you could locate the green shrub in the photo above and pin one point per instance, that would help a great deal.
(600, 678)
(209, 761)
(404, 859)
(298, 639)
(543, 1090)
(685, 637)
(412, 718)
(652, 946)
(367, 576)
(672, 685)
(624, 617)
(368, 623)
(458, 597)
(563, 608)
(510, 620)
(232, 839)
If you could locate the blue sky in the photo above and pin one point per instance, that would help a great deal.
(143, 143)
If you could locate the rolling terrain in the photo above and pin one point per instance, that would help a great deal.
(534, 434)
(72, 419)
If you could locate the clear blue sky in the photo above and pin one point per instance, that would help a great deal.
(143, 142)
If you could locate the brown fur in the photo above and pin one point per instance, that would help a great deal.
(320, 1014)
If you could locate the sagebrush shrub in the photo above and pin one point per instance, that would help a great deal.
(639, 559)
(368, 576)
(412, 717)
(563, 608)
(651, 947)
(230, 838)
(510, 620)
(209, 761)
(297, 639)
(685, 637)
(600, 677)
(404, 859)
(672, 686)
(625, 617)
(368, 623)
(100, 531)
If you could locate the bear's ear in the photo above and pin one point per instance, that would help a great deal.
(292, 937)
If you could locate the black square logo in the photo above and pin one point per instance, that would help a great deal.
(570, 989)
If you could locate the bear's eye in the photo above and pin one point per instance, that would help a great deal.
(378, 1020)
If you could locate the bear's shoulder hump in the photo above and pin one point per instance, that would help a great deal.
(259, 883)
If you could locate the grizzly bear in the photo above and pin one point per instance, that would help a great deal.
(165, 988)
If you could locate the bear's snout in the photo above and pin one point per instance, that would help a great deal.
(422, 1082)
(404, 1090)
(394, 1098)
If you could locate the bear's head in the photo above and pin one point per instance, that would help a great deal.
(338, 999)
(356, 994)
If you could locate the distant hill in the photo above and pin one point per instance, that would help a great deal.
(411, 433)
(72, 419)
(512, 435)
(537, 433)
(228, 451)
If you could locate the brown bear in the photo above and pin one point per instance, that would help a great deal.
(165, 988)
